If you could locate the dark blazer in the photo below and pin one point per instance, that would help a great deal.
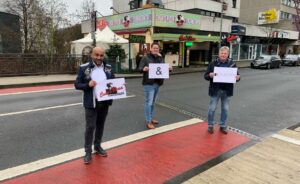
(82, 83)
(214, 87)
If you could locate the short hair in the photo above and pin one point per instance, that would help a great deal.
(224, 48)
(154, 43)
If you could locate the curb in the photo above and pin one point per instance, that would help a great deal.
(72, 81)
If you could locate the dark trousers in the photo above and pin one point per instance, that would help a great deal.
(95, 120)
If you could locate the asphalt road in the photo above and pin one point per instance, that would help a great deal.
(264, 102)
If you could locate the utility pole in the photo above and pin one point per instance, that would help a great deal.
(221, 23)
(93, 27)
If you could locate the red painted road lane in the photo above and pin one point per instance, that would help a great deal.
(152, 160)
(35, 88)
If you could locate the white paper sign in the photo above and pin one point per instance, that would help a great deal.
(111, 89)
(158, 71)
(225, 75)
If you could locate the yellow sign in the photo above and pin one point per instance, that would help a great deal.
(271, 15)
(268, 17)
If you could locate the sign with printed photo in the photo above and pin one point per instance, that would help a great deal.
(111, 89)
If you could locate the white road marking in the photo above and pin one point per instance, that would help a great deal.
(39, 91)
(286, 139)
(47, 108)
(43, 163)
(41, 109)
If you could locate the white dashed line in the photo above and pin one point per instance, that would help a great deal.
(286, 139)
(47, 108)
(39, 91)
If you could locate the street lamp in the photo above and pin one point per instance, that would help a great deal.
(112, 8)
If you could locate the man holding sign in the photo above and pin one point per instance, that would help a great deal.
(221, 73)
(154, 72)
(91, 74)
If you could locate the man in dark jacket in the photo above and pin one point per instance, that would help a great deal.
(151, 86)
(218, 91)
(89, 75)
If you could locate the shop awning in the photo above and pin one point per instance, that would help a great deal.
(175, 37)
(133, 31)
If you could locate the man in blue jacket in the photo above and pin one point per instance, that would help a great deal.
(89, 75)
(218, 91)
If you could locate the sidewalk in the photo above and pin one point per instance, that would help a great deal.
(274, 160)
(173, 154)
(24, 81)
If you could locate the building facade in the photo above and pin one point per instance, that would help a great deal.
(187, 34)
(10, 36)
(270, 29)
(191, 31)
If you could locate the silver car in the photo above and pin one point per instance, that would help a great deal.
(266, 61)
(290, 59)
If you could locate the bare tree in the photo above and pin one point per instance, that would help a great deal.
(269, 29)
(22, 8)
(39, 19)
(87, 7)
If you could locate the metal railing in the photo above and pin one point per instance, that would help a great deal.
(39, 64)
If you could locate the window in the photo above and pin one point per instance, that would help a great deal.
(289, 3)
(244, 51)
(286, 16)
(233, 3)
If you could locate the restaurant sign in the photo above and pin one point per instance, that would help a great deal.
(152, 17)
(175, 19)
(130, 20)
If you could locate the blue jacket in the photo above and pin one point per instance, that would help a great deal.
(214, 87)
(82, 83)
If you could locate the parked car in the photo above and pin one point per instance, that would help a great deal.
(290, 59)
(266, 61)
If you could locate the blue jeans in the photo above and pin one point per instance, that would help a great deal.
(150, 92)
(221, 94)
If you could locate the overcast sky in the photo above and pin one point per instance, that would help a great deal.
(103, 6)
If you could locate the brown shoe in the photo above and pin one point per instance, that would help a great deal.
(150, 126)
(154, 121)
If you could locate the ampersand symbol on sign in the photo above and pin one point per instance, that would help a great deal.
(158, 71)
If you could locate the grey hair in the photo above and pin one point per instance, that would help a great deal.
(224, 48)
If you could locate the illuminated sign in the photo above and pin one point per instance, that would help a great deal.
(188, 44)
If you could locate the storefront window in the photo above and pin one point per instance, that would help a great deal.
(244, 51)
(170, 48)
(235, 52)
(258, 50)
(271, 49)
